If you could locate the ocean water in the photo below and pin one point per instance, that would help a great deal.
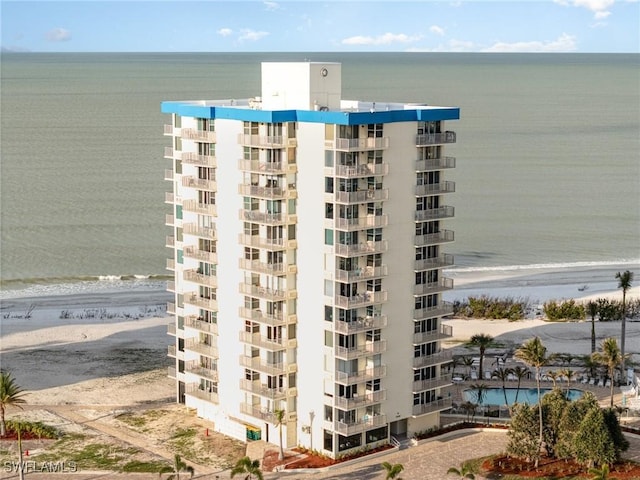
(548, 167)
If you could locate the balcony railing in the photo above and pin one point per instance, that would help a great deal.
(363, 248)
(435, 188)
(263, 267)
(350, 378)
(266, 141)
(207, 303)
(171, 329)
(432, 383)
(264, 192)
(193, 321)
(203, 348)
(191, 251)
(191, 158)
(435, 164)
(363, 170)
(436, 405)
(169, 220)
(358, 144)
(168, 175)
(261, 341)
(444, 308)
(267, 293)
(262, 389)
(267, 167)
(360, 400)
(441, 285)
(170, 241)
(434, 213)
(274, 320)
(195, 367)
(361, 273)
(171, 265)
(171, 372)
(362, 196)
(199, 278)
(171, 308)
(443, 356)
(169, 197)
(261, 365)
(362, 223)
(267, 218)
(361, 324)
(358, 426)
(445, 331)
(266, 242)
(361, 299)
(203, 232)
(201, 208)
(194, 390)
(258, 411)
(441, 261)
(199, 183)
(364, 350)
(171, 286)
(435, 138)
(198, 135)
(171, 350)
(443, 236)
(168, 129)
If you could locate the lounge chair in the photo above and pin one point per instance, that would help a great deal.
(585, 379)
(474, 375)
(592, 381)
(511, 377)
(607, 383)
(601, 383)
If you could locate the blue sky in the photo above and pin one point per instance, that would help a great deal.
(321, 26)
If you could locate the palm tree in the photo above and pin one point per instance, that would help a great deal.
(624, 282)
(10, 395)
(279, 415)
(248, 466)
(534, 353)
(468, 363)
(553, 375)
(611, 357)
(601, 473)
(502, 374)
(482, 341)
(463, 472)
(392, 470)
(178, 466)
(592, 309)
(481, 390)
(569, 375)
(520, 373)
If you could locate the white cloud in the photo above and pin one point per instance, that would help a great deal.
(225, 32)
(600, 8)
(251, 35)
(436, 29)
(58, 35)
(386, 39)
(271, 6)
(564, 43)
(601, 15)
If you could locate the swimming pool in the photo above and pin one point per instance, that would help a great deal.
(494, 395)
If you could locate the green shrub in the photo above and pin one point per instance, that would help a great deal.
(565, 310)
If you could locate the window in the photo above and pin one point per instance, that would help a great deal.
(374, 260)
(251, 128)
(328, 210)
(424, 253)
(373, 385)
(328, 236)
(251, 153)
(328, 184)
(179, 212)
(374, 130)
(346, 443)
(426, 301)
(328, 313)
(373, 335)
(374, 208)
(428, 178)
(374, 285)
(374, 235)
(251, 375)
(329, 158)
(376, 435)
(251, 228)
(374, 156)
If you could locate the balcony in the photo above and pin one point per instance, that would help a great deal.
(168, 129)
(434, 214)
(350, 378)
(266, 141)
(273, 344)
(273, 320)
(171, 286)
(262, 389)
(203, 232)
(442, 285)
(363, 248)
(269, 193)
(194, 345)
(196, 368)
(273, 244)
(435, 406)
(435, 138)
(201, 208)
(256, 166)
(169, 197)
(366, 423)
(358, 144)
(171, 308)
(267, 218)
(171, 351)
(267, 293)
(443, 356)
(194, 390)
(171, 329)
(169, 220)
(198, 135)
(435, 189)
(261, 365)
(362, 196)
(441, 261)
(192, 251)
(168, 175)
(200, 183)
(435, 164)
(361, 324)
(356, 401)
(170, 241)
(191, 158)
(358, 171)
(264, 267)
(359, 351)
(432, 383)
(445, 308)
(364, 273)
(170, 265)
(258, 411)
(361, 300)
(202, 302)
(198, 323)
(445, 331)
(199, 278)
(443, 236)
(171, 372)
(362, 223)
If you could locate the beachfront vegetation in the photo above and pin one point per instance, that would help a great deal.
(493, 308)
(566, 310)
(624, 283)
(248, 466)
(10, 396)
(178, 467)
(482, 341)
(463, 472)
(392, 470)
(611, 357)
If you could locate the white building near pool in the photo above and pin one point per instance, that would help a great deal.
(308, 249)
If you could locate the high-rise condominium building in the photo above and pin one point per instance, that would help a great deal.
(308, 249)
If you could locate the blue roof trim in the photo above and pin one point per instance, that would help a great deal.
(311, 116)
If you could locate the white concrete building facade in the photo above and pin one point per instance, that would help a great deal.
(308, 245)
